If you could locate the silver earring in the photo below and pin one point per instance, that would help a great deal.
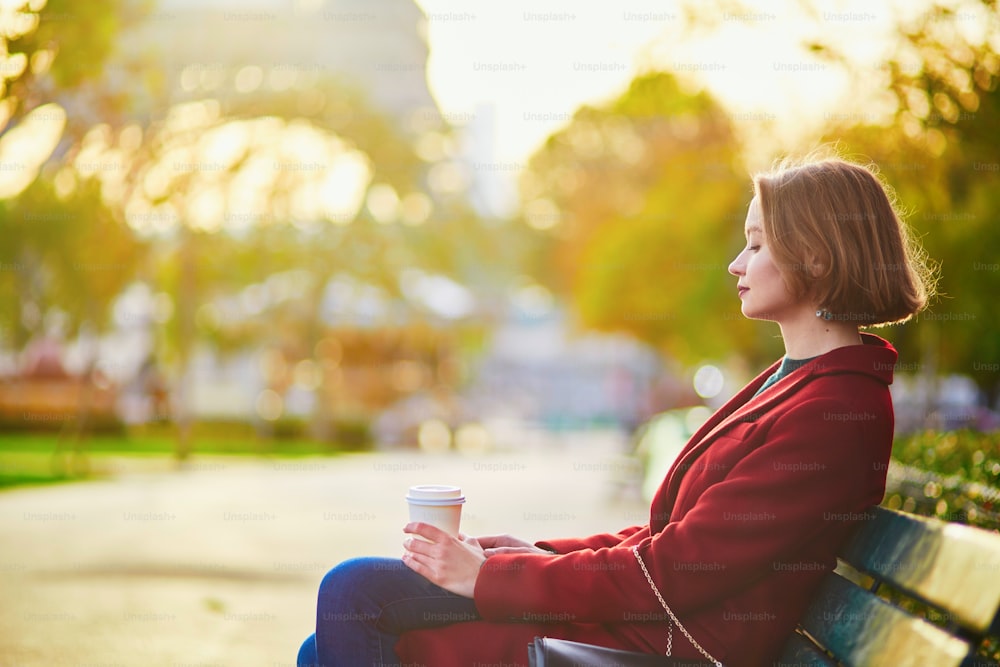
(824, 314)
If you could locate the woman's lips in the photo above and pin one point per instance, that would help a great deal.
(743, 290)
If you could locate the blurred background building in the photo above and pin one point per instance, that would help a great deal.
(256, 212)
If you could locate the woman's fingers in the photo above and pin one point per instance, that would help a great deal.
(427, 531)
(418, 546)
(489, 540)
(416, 562)
(471, 541)
(515, 550)
(498, 541)
(452, 563)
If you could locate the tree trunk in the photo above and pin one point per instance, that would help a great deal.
(186, 297)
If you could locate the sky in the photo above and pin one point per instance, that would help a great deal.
(523, 67)
(513, 72)
(536, 62)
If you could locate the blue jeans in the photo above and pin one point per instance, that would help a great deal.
(366, 603)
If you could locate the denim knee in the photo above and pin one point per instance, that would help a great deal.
(346, 589)
(307, 654)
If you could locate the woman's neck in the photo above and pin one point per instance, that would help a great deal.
(808, 336)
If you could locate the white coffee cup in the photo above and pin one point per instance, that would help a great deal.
(437, 504)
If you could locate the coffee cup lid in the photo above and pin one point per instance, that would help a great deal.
(435, 494)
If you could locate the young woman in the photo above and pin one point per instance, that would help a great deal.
(747, 521)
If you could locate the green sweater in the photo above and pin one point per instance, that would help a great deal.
(787, 367)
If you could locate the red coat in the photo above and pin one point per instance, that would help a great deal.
(740, 533)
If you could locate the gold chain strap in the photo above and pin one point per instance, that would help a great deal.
(673, 619)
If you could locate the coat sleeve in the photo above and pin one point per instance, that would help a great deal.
(566, 545)
(815, 469)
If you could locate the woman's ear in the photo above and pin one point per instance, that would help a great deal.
(816, 267)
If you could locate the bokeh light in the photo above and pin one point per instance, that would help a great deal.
(708, 381)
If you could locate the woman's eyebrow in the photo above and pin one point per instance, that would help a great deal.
(751, 229)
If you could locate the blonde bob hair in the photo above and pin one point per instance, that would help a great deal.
(838, 240)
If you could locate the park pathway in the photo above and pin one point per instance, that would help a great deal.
(218, 564)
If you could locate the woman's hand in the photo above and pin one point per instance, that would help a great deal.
(450, 562)
(507, 544)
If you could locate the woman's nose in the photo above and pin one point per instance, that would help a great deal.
(736, 266)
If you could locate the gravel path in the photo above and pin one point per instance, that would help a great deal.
(218, 564)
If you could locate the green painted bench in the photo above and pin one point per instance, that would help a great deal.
(949, 569)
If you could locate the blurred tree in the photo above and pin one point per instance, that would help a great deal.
(940, 148)
(66, 251)
(204, 184)
(245, 187)
(71, 257)
(67, 254)
(65, 52)
(201, 179)
(71, 254)
(643, 202)
(55, 49)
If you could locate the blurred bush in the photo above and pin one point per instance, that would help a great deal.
(97, 424)
(952, 475)
(949, 475)
(343, 434)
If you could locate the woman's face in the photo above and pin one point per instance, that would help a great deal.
(761, 287)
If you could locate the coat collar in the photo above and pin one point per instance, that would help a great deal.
(876, 358)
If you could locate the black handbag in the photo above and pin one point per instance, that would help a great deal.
(549, 652)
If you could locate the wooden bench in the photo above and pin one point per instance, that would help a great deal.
(950, 570)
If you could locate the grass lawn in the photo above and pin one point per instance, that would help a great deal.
(29, 458)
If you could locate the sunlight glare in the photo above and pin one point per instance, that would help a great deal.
(6, 111)
(25, 147)
(305, 201)
(65, 183)
(248, 79)
(130, 138)
(343, 189)
(41, 61)
(415, 208)
(191, 116)
(206, 209)
(226, 144)
(383, 203)
(156, 182)
(17, 24)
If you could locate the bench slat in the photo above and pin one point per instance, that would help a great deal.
(949, 566)
(863, 630)
(801, 652)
